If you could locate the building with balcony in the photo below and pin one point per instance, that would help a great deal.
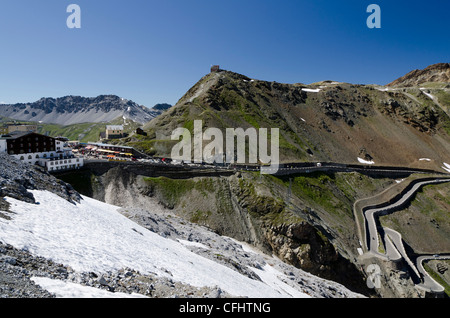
(39, 149)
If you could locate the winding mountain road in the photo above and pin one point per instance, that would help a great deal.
(394, 246)
(429, 284)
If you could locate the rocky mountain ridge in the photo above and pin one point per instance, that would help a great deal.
(436, 73)
(70, 110)
(329, 121)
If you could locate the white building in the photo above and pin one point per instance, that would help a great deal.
(33, 148)
(61, 164)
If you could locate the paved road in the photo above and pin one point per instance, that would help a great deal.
(373, 242)
(393, 241)
(286, 168)
(429, 284)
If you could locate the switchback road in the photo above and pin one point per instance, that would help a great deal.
(393, 241)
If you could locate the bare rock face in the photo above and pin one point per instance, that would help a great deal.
(434, 73)
(16, 178)
(301, 245)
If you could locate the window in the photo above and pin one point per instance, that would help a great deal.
(22, 158)
(30, 157)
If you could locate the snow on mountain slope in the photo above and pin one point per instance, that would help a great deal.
(92, 236)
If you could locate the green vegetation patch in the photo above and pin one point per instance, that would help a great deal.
(86, 132)
(172, 190)
(438, 279)
(443, 97)
(320, 189)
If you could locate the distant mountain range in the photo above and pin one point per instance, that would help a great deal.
(70, 110)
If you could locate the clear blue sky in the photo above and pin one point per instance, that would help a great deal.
(154, 51)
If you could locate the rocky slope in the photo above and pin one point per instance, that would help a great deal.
(16, 178)
(23, 270)
(307, 221)
(327, 121)
(436, 73)
(70, 110)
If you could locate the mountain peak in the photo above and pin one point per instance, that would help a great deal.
(439, 72)
(324, 121)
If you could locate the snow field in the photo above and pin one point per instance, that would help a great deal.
(93, 237)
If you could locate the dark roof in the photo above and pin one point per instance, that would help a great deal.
(19, 134)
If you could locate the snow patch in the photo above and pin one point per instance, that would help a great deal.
(275, 279)
(311, 90)
(428, 94)
(366, 161)
(63, 289)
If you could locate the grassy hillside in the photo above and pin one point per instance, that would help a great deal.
(85, 132)
(82, 132)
